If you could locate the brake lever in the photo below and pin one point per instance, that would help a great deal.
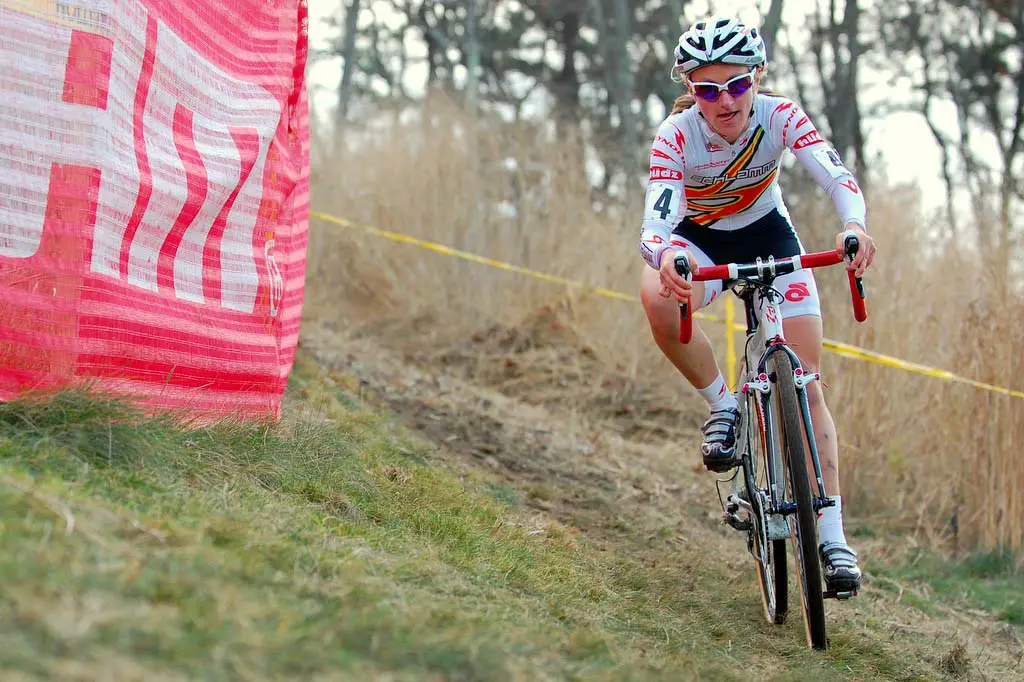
(682, 264)
(851, 245)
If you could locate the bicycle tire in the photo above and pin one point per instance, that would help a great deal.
(772, 575)
(804, 523)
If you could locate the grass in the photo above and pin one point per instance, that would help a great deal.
(990, 581)
(327, 548)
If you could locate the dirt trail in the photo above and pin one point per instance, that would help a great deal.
(602, 453)
(533, 405)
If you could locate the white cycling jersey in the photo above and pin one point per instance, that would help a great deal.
(697, 174)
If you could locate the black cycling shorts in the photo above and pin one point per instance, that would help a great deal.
(771, 235)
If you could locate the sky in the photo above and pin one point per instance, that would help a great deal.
(907, 146)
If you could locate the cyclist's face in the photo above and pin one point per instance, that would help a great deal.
(730, 112)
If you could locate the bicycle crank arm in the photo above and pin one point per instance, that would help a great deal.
(735, 503)
(822, 502)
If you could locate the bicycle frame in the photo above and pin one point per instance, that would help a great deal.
(765, 337)
(780, 411)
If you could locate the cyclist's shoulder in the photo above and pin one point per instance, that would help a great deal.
(768, 106)
(777, 113)
(675, 129)
(771, 99)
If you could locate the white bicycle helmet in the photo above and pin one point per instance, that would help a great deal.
(717, 40)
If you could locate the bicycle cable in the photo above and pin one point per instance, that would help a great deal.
(720, 481)
(759, 284)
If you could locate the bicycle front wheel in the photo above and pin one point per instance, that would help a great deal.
(769, 555)
(803, 524)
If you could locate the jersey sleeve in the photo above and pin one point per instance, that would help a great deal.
(795, 130)
(665, 199)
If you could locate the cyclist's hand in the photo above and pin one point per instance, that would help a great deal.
(671, 283)
(865, 252)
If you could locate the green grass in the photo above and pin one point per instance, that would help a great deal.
(326, 548)
(990, 581)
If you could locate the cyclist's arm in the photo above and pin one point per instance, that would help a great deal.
(824, 164)
(666, 196)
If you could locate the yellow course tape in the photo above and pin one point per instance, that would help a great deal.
(837, 347)
(849, 351)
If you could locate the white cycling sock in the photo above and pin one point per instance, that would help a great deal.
(830, 523)
(717, 395)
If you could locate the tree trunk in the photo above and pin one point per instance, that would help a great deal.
(567, 82)
(851, 29)
(770, 27)
(348, 58)
(623, 68)
(472, 55)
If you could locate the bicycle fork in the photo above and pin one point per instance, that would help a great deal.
(778, 511)
(802, 378)
(821, 500)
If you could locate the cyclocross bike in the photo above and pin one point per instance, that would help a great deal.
(771, 496)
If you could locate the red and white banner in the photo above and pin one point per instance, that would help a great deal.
(154, 196)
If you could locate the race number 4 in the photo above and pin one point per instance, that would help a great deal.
(662, 201)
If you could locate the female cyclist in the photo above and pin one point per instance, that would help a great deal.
(713, 192)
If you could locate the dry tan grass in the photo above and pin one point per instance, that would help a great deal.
(933, 458)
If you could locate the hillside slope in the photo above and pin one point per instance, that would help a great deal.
(421, 515)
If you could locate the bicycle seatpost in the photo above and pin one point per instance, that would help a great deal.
(685, 319)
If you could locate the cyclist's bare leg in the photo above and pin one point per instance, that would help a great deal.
(696, 360)
(804, 334)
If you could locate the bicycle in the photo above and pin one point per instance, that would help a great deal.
(775, 491)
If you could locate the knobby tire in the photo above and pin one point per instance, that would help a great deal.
(804, 522)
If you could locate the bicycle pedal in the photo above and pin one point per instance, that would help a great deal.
(735, 521)
(841, 595)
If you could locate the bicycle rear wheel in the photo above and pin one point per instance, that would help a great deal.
(803, 524)
(769, 555)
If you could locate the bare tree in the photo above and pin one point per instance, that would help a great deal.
(770, 26)
(602, 62)
(835, 44)
(971, 56)
(619, 77)
(472, 54)
(348, 64)
(563, 22)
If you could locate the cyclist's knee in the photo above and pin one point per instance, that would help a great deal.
(663, 312)
(805, 335)
(650, 283)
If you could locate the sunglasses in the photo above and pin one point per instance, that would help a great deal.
(736, 86)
